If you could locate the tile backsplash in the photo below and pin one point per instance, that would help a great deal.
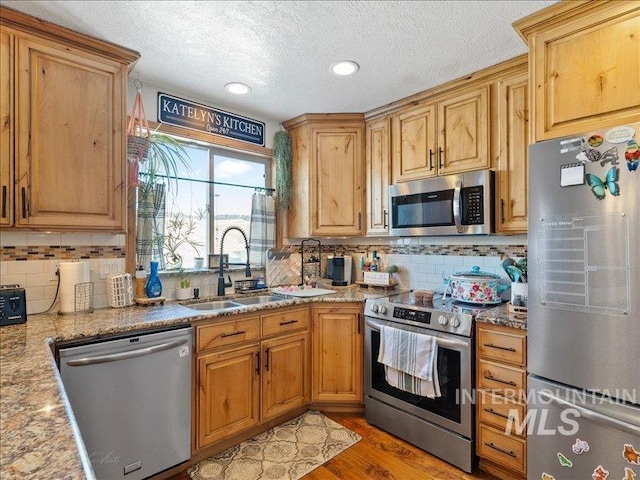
(29, 259)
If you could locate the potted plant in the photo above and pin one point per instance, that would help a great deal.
(183, 292)
(519, 286)
(179, 233)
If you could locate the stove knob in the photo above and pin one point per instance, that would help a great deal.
(382, 309)
(455, 322)
(374, 308)
(442, 320)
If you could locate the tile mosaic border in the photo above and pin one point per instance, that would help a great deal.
(461, 250)
(62, 252)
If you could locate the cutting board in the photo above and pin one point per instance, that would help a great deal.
(306, 293)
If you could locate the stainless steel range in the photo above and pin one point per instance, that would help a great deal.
(444, 425)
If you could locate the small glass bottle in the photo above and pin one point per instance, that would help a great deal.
(141, 282)
(374, 262)
(154, 286)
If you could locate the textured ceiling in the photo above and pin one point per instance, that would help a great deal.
(283, 49)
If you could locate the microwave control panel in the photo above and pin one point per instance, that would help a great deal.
(472, 205)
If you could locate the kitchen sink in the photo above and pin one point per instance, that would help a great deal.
(257, 300)
(218, 305)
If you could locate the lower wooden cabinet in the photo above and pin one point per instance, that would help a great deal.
(228, 393)
(253, 369)
(501, 400)
(505, 450)
(337, 353)
(250, 369)
(285, 374)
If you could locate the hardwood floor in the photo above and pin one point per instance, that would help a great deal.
(381, 456)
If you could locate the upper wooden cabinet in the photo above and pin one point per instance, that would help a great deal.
(6, 128)
(69, 139)
(450, 135)
(414, 143)
(378, 173)
(584, 64)
(328, 177)
(512, 152)
(463, 126)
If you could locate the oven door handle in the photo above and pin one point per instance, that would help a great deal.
(457, 206)
(443, 342)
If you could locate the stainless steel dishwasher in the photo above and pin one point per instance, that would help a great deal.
(131, 397)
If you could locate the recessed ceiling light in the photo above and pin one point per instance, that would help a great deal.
(237, 88)
(345, 67)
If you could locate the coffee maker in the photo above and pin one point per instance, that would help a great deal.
(339, 270)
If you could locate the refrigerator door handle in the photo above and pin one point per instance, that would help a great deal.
(590, 414)
(114, 357)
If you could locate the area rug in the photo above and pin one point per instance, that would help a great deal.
(286, 452)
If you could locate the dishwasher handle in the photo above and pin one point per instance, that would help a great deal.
(115, 357)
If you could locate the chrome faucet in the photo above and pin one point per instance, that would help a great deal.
(222, 285)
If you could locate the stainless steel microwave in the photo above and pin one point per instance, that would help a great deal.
(448, 205)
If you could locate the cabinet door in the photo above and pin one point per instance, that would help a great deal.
(585, 72)
(337, 354)
(228, 393)
(513, 154)
(285, 374)
(70, 144)
(6, 129)
(414, 144)
(378, 171)
(337, 181)
(464, 132)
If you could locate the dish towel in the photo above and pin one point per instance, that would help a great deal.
(410, 360)
(262, 230)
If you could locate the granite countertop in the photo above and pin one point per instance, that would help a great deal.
(502, 317)
(39, 437)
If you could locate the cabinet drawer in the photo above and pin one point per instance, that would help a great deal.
(502, 345)
(496, 410)
(283, 322)
(228, 333)
(509, 380)
(505, 450)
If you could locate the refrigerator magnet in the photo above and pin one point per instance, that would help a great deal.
(589, 155)
(600, 186)
(600, 473)
(610, 156)
(571, 144)
(571, 174)
(546, 476)
(595, 140)
(564, 461)
(580, 447)
(620, 134)
(630, 454)
(632, 155)
(629, 474)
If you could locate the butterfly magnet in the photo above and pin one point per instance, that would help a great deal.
(600, 186)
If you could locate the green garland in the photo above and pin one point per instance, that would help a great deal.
(283, 157)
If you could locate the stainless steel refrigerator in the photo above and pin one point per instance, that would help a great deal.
(584, 307)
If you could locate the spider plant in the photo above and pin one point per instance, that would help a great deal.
(164, 157)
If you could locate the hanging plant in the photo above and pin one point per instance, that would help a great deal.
(283, 157)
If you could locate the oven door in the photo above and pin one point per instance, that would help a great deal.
(453, 410)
